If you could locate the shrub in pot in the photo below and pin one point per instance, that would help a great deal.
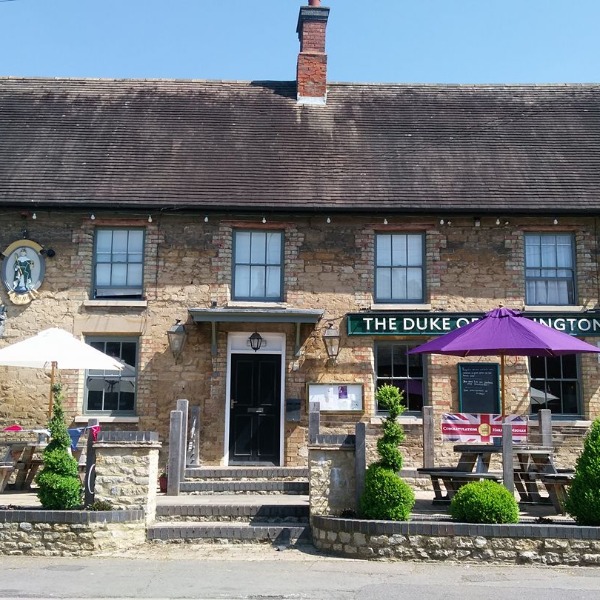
(484, 502)
(59, 486)
(386, 496)
(583, 499)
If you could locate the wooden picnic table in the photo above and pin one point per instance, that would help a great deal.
(530, 464)
(22, 457)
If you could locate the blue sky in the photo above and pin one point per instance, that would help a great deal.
(425, 41)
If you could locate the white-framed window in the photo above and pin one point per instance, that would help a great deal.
(549, 269)
(113, 392)
(554, 384)
(258, 265)
(118, 263)
(395, 366)
(399, 272)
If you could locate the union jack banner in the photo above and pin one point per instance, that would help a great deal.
(481, 428)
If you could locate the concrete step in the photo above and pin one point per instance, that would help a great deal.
(217, 532)
(244, 487)
(246, 473)
(232, 512)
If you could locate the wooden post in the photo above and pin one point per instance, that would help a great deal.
(175, 450)
(314, 421)
(90, 465)
(183, 406)
(360, 460)
(508, 474)
(194, 443)
(545, 421)
(428, 437)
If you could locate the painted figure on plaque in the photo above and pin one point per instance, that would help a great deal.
(23, 268)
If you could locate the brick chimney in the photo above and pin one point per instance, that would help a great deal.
(311, 72)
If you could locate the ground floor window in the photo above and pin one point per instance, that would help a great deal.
(555, 384)
(113, 391)
(394, 366)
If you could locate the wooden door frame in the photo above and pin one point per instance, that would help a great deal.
(236, 344)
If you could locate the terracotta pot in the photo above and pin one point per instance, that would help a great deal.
(162, 484)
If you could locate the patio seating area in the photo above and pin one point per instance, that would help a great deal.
(536, 479)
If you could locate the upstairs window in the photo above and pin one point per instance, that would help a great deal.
(395, 366)
(118, 263)
(113, 392)
(399, 273)
(549, 269)
(257, 268)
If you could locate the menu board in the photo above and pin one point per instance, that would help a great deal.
(336, 396)
(479, 388)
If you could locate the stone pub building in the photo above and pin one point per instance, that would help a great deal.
(269, 217)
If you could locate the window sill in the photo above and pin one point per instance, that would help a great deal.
(116, 303)
(105, 419)
(396, 307)
(255, 304)
(575, 422)
(402, 419)
(553, 308)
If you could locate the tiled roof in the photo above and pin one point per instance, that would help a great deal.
(209, 145)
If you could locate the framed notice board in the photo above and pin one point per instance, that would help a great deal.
(479, 388)
(337, 397)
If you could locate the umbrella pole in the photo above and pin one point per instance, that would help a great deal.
(502, 383)
(51, 400)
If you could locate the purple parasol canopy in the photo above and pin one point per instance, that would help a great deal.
(505, 332)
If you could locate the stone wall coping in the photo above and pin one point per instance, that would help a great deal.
(331, 447)
(127, 445)
(450, 528)
(71, 516)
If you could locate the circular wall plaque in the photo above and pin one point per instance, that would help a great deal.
(23, 270)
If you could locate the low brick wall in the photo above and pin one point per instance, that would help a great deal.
(440, 541)
(70, 533)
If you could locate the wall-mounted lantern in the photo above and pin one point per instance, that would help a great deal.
(331, 339)
(256, 341)
(177, 336)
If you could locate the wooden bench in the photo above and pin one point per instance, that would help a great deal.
(6, 471)
(452, 479)
(556, 484)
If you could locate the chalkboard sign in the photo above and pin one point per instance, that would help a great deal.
(479, 388)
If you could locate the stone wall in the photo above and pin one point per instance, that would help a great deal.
(446, 541)
(328, 266)
(127, 473)
(332, 480)
(70, 533)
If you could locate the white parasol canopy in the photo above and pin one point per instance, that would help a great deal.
(57, 349)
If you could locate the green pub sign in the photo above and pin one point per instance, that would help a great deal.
(429, 324)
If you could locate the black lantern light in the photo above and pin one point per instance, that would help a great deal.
(256, 341)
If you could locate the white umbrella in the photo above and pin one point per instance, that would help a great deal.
(56, 348)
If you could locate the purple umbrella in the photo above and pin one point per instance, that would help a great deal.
(504, 332)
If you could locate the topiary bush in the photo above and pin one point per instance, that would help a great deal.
(583, 498)
(484, 502)
(58, 481)
(386, 496)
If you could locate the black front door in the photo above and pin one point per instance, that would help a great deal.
(255, 408)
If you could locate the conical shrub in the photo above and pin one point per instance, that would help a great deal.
(59, 487)
(583, 499)
(386, 496)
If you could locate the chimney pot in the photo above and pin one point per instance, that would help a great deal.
(311, 71)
